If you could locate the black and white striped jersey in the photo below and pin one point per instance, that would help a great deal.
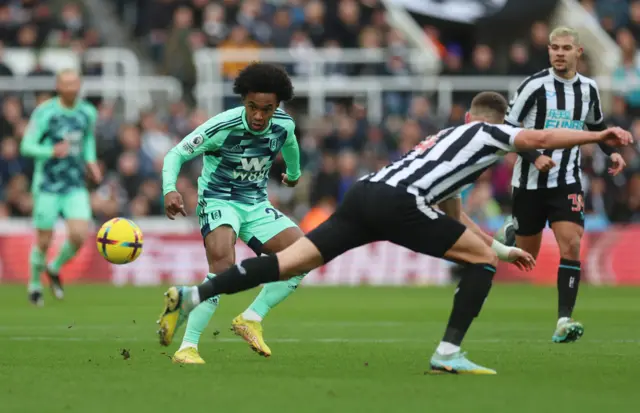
(544, 101)
(442, 165)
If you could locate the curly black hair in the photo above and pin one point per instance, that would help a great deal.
(264, 78)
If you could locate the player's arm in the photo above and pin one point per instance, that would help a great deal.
(519, 107)
(595, 123)
(291, 155)
(565, 138)
(453, 208)
(194, 144)
(89, 150)
(31, 146)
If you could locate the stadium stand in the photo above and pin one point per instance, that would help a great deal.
(338, 146)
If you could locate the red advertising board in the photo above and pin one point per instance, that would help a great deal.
(611, 257)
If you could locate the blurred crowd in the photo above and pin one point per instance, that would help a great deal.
(336, 149)
(37, 24)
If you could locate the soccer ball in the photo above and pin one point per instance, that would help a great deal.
(119, 241)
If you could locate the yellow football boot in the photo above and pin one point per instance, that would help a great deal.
(251, 332)
(176, 309)
(188, 355)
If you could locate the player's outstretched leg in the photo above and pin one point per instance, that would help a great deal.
(301, 257)
(248, 325)
(470, 295)
(198, 321)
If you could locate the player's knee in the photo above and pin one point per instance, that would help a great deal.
(220, 261)
(570, 246)
(44, 240)
(77, 237)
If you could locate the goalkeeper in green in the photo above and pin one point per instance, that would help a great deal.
(239, 147)
(60, 139)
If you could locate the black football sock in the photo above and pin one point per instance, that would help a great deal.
(470, 295)
(568, 282)
(244, 276)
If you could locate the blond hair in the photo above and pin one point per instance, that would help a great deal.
(67, 71)
(563, 31)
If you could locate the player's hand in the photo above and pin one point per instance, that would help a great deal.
(61, 149)
(544, 163)
(617, 164)
(616, 137)
(94, 173)
(287, 182)
(521, 259)
(174, 205)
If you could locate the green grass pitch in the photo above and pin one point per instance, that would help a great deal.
(334, 350)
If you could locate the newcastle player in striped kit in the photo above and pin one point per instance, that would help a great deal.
(396, 204)
(546, 184)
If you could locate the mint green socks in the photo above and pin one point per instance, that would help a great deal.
(65, 254)
(37, 264)
(198, 320)
(271, 295)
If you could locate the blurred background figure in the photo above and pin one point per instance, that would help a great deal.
(338, 146)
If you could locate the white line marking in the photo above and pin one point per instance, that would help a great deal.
(306, 340)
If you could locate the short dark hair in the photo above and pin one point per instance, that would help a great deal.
(490, 104)
(264, 78)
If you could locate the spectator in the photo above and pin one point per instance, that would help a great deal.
(519, 63)
(314, 17)
(634, 20)
(627, 77)
(238, 39)
(214, 25)
(346, 28)
(539, 54)
(178, 55)
(282, 30)
(4, 69)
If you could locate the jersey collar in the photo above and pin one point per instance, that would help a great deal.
(561, 79)
(251, 131)
(64, 108)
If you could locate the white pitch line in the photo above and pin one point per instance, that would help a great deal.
(132, 325)
(344, 340)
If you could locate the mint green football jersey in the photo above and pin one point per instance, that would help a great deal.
(237, 159)
(52, 123)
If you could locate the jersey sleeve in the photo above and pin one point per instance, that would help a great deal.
(594, 116)
(503, 136)
(31, 146)
(519, 107)
(521, 103)
(291, 154)
(206, 137)
(90, 137)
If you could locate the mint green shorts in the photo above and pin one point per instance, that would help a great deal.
(253, 224)
(48, 207)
